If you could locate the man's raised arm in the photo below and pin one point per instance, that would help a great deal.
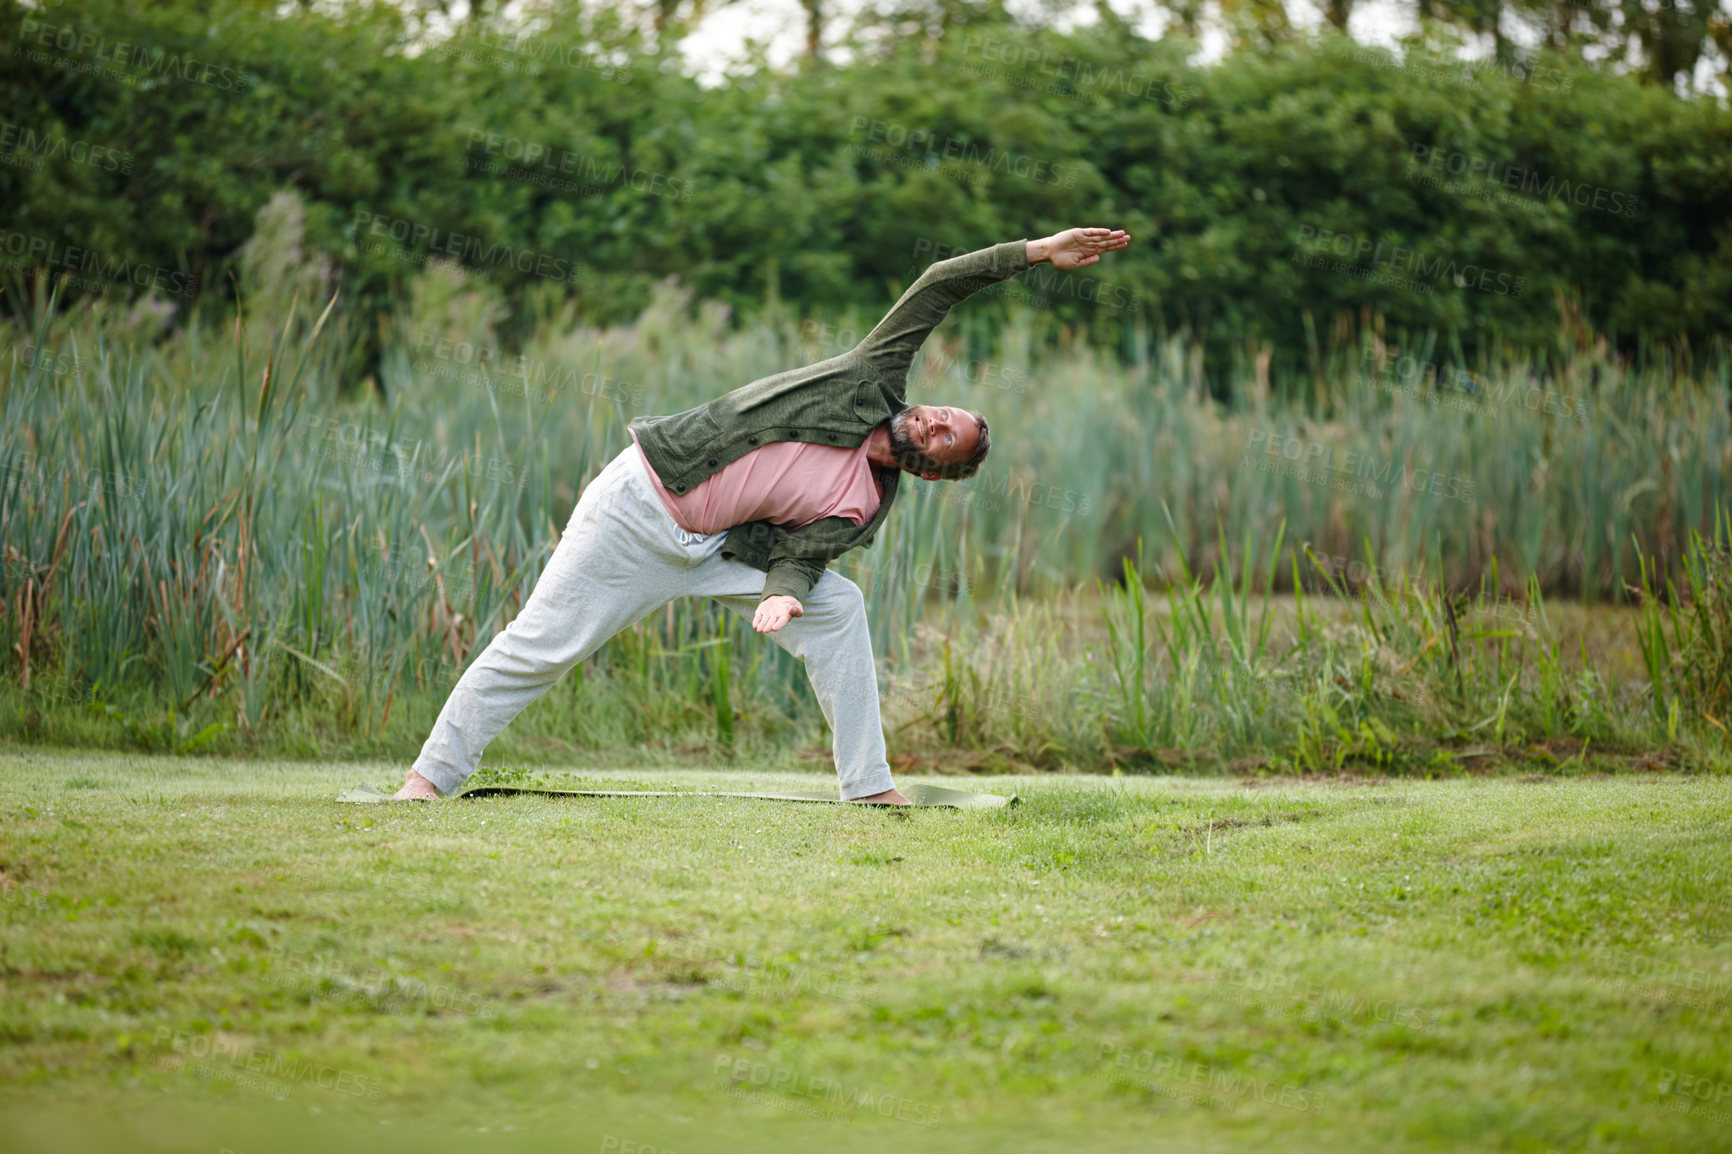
(891, 346)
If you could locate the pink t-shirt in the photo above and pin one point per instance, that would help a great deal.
(788, 483)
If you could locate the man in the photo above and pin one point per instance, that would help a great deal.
(746, 500)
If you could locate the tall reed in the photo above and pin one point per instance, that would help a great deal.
(214, 527)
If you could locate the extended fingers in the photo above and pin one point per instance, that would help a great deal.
(1103, 239)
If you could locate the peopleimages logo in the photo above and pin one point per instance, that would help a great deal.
(1208, 1077)
(826, 1097)
(264, 1062)
(1457, 388)
(1351, 467)
(25, 147)
(1693, 1091)
(373, 450)
(1066, 75)
(533, 162)
(429, 240)
(926, 143)
(1380, 257)
(1313, 1002)
(516, 51)
(1427, 164)
(481, 363)
(40, 253)
(70, 40)
(329, 979)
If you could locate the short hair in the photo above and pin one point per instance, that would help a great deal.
(982, 446)
(915, 461)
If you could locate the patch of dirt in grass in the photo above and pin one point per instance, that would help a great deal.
(874, 858)
(32, 974)
(1264, 821)
(1193, 840)
(13, 873)
(1225, 823)
(1002, 950)
(666, 980)
(1657, 760)
(1132, 757)
(1205, 916)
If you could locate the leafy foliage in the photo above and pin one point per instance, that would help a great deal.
(577, 164)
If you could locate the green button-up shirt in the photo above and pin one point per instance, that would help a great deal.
(834, 402)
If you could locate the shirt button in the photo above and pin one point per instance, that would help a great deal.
(679, 488)
(832, 436)
(793, 432)
(752, 440)
(712, 462)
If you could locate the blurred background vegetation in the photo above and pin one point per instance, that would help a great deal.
(918, 129)
(411, 270)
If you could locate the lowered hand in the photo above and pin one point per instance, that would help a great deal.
(775, 612)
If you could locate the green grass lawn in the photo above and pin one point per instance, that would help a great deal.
(204, 955)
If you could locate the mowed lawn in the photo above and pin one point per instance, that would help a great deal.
(202, 955)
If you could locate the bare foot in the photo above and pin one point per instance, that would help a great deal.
(888, 797)
(415, 788)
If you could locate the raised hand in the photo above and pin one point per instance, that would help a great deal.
(775, 612)
(1076, 247)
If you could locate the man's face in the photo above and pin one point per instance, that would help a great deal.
(937, 434)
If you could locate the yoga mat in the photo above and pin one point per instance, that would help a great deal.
(923, 796)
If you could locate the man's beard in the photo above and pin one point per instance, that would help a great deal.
(903, 449)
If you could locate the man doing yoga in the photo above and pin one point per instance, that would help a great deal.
(746, 500)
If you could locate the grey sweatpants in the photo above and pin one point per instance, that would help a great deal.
(621, 558)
